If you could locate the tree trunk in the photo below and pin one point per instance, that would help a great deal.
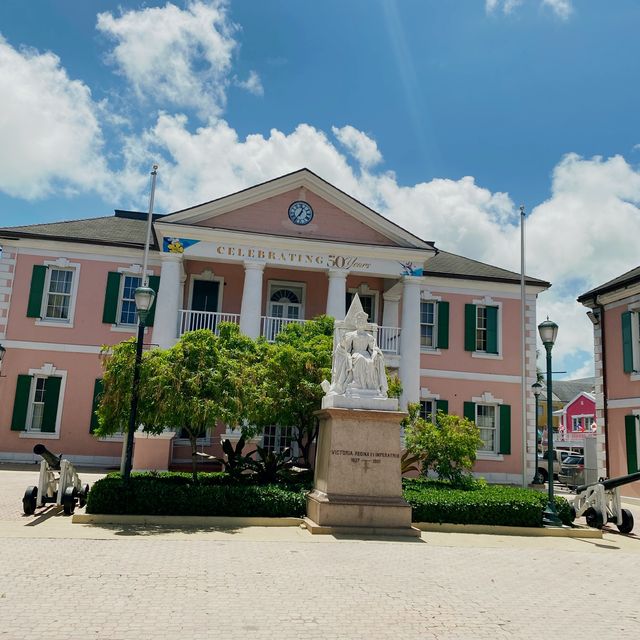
(194, 458)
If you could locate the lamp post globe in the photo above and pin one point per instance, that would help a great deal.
(144, 297)
(548, 331)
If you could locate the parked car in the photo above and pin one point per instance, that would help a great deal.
(559, 454)
(572, 471)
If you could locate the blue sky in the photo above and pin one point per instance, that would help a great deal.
(445, 116)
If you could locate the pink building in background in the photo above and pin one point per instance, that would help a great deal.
(579, 415)
(615, 313)
(279, 252)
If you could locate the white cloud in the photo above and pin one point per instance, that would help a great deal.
(363, 148)
(252, 84)
(173, 56)
(584, 234)
(561, 8)
(51, 137)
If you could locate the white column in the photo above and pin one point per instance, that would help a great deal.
(337, 295)
(410, 341)
(169, 299)
(390, 309)
(251, 308)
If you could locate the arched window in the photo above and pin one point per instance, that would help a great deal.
(285, 302)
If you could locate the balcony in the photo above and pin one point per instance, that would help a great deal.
(193, 320)
(270, 327)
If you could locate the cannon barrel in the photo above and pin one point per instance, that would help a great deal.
(52, 459)
(612, 483)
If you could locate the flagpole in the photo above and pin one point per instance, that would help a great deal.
(523, 345)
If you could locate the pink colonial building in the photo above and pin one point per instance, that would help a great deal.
(615, 313)
(282, 251)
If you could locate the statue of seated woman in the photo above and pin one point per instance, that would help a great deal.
(358, 363)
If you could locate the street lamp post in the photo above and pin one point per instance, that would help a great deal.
(536, 386)
(144, 297)
(548, 331)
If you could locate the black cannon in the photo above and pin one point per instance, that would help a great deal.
(599, 503)
(52, 459)
(58, 483)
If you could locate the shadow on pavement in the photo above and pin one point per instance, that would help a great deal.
(155, 529)
(49, 512)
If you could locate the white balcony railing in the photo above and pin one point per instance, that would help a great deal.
(191, 320)
(271, 327)
(388, 337)
(389, 340)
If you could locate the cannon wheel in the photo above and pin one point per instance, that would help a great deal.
(30, 500)
(82, 497)
(69, 500)
(627, 522)
(594, 518)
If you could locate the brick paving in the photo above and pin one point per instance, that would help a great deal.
(132, 583)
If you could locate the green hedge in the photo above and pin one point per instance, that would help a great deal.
(479, 504)
(176, 494)
(216, 494)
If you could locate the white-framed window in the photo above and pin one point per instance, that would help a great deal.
(276, 438)
(37, 410)
(582, 423)
(428, 324)
(127, 312)
(36, 404)
(286, 300)
(368, 299)
(481, 329)
(487, 422)
(428, 409)
(58, 294)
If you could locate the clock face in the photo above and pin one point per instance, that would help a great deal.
(300, 212)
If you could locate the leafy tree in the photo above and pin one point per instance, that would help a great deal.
(291, 373)
(201, 380)
(449, 447)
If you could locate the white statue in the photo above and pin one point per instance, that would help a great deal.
(358, 369)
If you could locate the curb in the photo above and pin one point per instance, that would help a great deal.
(224, 522)
(497, 530)
(210, 522)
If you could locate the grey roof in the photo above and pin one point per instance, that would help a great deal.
(126, 229)
(454, 266)
(630, 277)
(566, 390)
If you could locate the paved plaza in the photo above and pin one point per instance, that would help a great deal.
(70, 581)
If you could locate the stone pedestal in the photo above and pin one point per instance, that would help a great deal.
(357, 484)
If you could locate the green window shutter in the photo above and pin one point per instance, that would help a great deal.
(97, 392)
(505, 429)
(627, 342)
(469, 327)
(632, 443)
(443, 325)
(492, 329)
(51, 398)
(442, 405)
(21, 403)
(38, 276)
(111, 298)
(470, 411)
(154, 283)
